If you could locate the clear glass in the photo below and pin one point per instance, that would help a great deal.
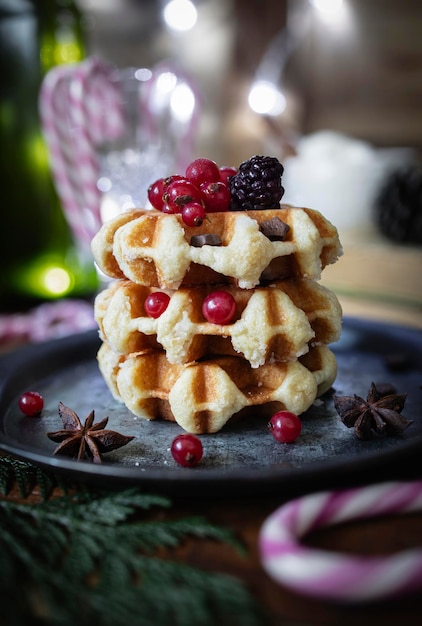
(159, 118)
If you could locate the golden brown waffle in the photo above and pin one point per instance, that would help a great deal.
(154, 249)
(103, 244)
(276, 323)
(202, 397)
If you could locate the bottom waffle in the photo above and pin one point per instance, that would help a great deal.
(202, 397)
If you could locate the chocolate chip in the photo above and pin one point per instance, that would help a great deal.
(275, 229)
(207, 239)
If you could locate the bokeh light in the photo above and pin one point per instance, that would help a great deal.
(266, 99)
(180, 15)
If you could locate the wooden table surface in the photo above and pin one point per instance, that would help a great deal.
(244, 516)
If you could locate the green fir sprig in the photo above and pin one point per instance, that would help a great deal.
(27, 476)
(91, 558)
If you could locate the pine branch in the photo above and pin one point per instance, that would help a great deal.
(84, 559)
(27, 476)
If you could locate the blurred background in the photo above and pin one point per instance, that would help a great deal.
(353, 66)
(333, 88)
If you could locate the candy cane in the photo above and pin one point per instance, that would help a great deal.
(53, 113)
(80, 108)
(336, 576)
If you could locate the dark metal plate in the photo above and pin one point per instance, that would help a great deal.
(244, 457)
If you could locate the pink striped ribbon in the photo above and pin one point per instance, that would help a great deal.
(336, 576)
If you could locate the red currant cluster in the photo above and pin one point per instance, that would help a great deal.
(219, 307)
(203, 189)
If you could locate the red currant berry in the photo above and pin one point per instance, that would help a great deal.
(167, 209)
(187, 450)
(157, 190)
(202, 171)
(179, 193)
(285, 426)
(155, 194)
(193, 214)
(219, 307)
(31, 403)
(216, 196)
(156, 303)
(227, 172)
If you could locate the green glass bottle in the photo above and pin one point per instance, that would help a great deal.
(38, 257)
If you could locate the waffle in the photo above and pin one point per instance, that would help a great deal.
(276, 323)
(202, 397)
(154, 249)
(103, 244)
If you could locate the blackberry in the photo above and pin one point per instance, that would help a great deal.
(398, 206)
(257, 185)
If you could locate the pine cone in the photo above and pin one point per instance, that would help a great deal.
(398, 207)
(257, 185)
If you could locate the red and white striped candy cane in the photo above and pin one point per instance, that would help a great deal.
(332, 575)
(80, 108)
(54, 121)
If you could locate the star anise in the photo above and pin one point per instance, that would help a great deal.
(88, 440)
(379, 413)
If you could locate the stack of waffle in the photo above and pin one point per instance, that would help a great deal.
(180, 367)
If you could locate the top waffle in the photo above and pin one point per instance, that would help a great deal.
(154, 249)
